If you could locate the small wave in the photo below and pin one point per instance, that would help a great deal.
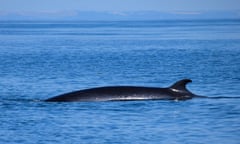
(224, 97)
(21, 100)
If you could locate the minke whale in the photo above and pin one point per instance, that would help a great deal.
(177, 91)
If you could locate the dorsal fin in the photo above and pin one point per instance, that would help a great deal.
(180, 85)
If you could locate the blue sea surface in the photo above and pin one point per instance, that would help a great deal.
(42, 59)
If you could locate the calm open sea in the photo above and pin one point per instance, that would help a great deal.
(42, 59)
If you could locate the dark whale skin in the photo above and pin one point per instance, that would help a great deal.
(177, 91)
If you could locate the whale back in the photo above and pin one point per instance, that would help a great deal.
(177, 91)
(180, 86)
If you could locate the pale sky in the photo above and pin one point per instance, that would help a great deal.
(119, 5)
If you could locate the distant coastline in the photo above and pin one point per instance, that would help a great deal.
(116, 15)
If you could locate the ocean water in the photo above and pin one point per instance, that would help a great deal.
(42, 59)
